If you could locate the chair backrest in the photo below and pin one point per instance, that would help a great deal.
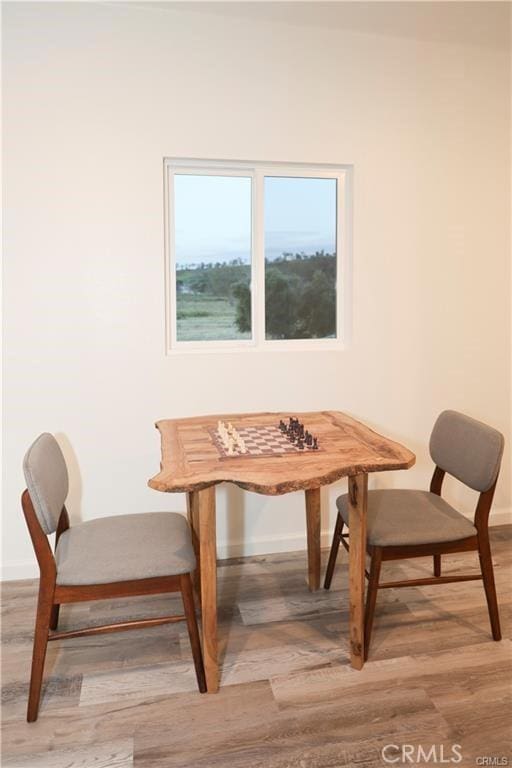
(46, 476)
(467, 449)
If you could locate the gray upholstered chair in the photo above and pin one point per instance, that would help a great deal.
(121, 556)
(409, 523)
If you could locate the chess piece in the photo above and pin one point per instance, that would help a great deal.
(315, 443)
(300, 444)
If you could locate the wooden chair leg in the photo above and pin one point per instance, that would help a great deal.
(437, 565)
(193, 632)
(371, 597)
(336, 539)
(54, 616)
(484, 553)
(44, 610)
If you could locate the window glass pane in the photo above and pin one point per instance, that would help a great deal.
(212, 239)
(300, 258)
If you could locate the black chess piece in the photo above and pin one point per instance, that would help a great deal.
(315, 443)
(300, 444)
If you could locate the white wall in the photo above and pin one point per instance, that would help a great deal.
(95, 97)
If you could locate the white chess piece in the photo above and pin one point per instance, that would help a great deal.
(221, 431)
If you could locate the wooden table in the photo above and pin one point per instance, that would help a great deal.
(192, 464)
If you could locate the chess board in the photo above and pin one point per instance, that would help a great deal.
(259, 441)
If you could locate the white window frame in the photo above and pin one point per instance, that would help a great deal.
(257, 171)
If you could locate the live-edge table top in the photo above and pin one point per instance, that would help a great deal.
(191, 461)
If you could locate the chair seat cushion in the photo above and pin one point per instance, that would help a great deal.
(405, 518)
(125, 547)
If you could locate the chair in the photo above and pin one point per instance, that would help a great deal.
(409, 523)
(110, 557)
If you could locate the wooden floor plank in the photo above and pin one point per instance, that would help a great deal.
(289, 696)
(302, 737)
(110, 755)
(142, 683)
(437, 669)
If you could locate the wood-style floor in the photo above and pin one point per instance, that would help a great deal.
(289, 697)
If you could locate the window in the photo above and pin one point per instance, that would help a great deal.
(256, 255)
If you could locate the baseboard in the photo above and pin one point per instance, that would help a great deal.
(268, 545)
(27, 569)
(295, 542)
(501, 516)
(19, 569)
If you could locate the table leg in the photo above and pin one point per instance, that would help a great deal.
(313, 537)
(357, 505)
(208, 578)
(193, 521)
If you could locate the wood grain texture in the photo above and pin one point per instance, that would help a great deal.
(289, 696)
(357, 507)
(313, 523)
(193, 521)
(190, 460)
(332, 683)
(192, 463)
(111, 755)
(148, 682)
(208, 576)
